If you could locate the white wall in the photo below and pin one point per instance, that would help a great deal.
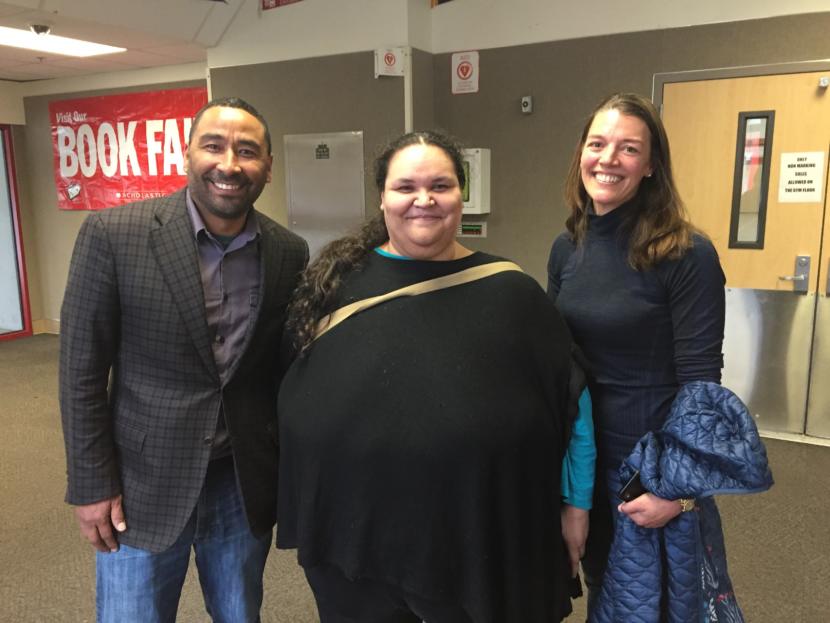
(419, 25)
(12, 93)
(323, 27)
(309, 29)
(479, 24)
(136, 77)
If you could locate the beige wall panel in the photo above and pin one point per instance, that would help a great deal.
(751, 42)
(531, 153)
(327, 94)
(423, 95)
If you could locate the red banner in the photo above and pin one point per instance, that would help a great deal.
(115, 149)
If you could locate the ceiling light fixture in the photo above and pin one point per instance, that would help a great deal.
(42, 41)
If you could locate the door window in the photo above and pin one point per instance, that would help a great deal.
(751, 182)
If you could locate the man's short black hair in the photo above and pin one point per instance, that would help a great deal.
(232, 102)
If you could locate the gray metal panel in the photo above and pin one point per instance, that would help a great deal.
(324, 185)
(767, 354)
(818, 407)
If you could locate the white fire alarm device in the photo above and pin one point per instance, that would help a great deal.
(476, 191)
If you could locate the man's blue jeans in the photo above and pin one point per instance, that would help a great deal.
(137, 586)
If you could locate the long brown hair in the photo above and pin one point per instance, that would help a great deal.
(660, 230)
(316, 293)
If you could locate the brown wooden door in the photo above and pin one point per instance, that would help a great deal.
(770, 327)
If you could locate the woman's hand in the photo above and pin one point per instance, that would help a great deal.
(575, 533)
(650, 511)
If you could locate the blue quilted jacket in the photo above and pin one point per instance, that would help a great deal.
(709, 445)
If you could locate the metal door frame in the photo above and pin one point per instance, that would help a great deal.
(6, 145)
(660, 80)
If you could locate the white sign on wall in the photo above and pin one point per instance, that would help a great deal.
(389, 62)
(464, 72)
(801, 177)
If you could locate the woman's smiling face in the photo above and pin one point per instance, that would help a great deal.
(422, 204)
(615, 158)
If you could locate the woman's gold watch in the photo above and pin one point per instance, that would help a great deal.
(686, 504)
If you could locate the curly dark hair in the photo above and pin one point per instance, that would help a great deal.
(316, 293)
(429, 137)
(660, 229)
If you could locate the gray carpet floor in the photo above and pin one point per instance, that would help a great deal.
(778, 542)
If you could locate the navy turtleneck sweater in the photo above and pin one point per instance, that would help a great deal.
(645, 333)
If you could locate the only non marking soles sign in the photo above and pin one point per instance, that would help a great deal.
(802, 174)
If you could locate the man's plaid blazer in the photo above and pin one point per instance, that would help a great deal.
(139, 390)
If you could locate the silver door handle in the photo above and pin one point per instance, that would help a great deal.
(800, 279)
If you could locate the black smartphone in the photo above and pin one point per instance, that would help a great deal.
(632, 489)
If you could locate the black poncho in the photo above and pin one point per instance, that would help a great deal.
(422, 442)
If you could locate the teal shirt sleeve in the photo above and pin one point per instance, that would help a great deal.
(578, 466)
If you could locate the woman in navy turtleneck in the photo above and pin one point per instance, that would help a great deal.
(643, 293)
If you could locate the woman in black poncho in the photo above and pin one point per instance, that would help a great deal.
(422, 439)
